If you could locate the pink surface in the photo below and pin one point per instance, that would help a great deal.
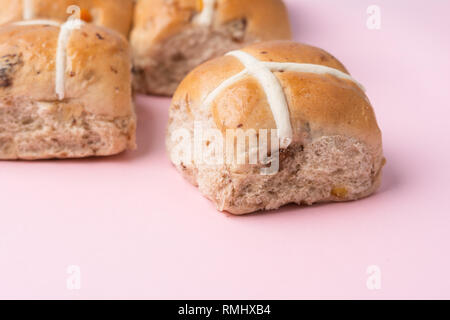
(136, 229)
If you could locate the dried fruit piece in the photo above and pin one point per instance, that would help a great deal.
(200, 5)
(85, 15)
(340, 192)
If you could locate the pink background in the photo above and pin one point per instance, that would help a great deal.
(138, 230)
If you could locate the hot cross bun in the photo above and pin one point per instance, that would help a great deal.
(172, 37)
(65, 91)
(327, 145)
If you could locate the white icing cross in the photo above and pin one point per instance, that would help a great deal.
(61, 54)
(65, 32)
(263, 72)
(27, 9)
(206, 17)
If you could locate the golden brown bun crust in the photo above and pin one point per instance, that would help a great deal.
(325, 105)
(266, 19)
(99, 77)
(113, 14)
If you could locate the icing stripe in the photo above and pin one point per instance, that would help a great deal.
(61, 54)
(274, 93)
(227, 83)
(206, 17)
(27, 9)
(272, 87)
(310, 68)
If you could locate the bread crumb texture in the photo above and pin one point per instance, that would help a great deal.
(45, 130)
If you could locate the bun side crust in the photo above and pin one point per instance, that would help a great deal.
(113, 14)
(336, 152)
(96, 117)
